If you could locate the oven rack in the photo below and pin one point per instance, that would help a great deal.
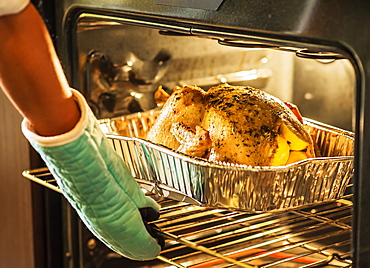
(196, 237)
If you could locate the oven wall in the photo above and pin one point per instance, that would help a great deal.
(324, 91)
(16, 229)
(192, 61)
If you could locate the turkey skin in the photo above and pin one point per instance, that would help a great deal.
(236, 124)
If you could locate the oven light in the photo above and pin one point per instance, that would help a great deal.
(308, 96)
(264, 60)
(136, 95)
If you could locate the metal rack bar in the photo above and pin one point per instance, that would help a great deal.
(197, 237)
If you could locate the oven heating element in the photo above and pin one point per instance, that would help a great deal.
(199, 237)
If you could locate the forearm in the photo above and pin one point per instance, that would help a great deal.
(31, 75)
(90, 174)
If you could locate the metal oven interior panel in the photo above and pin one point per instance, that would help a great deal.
(121, 64)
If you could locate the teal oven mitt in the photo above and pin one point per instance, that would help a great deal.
(97, 183)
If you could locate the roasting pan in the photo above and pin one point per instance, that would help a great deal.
(171, 174)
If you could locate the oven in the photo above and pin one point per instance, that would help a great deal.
(311, 53)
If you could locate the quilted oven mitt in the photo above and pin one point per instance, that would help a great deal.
(99, 186)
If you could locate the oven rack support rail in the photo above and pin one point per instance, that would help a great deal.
(198, 237)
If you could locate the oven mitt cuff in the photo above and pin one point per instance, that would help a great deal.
(98, 185)
(12, 6)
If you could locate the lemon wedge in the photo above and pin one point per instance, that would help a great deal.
(296, 156)
(281, 155)
(296, 144)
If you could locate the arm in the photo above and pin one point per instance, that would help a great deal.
(61, 127)
(31, 75)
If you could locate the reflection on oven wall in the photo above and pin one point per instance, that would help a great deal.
(121, 66)
(126, 64)
(324, 90)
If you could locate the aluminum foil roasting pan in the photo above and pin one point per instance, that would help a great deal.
(224, 185)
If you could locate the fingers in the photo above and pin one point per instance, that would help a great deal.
(149, 214)
(152, 230)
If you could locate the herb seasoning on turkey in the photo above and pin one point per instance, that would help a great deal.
(234, 124)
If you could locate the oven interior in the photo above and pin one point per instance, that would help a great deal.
(119, 63)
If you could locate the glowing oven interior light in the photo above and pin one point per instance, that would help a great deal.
(136, 95)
